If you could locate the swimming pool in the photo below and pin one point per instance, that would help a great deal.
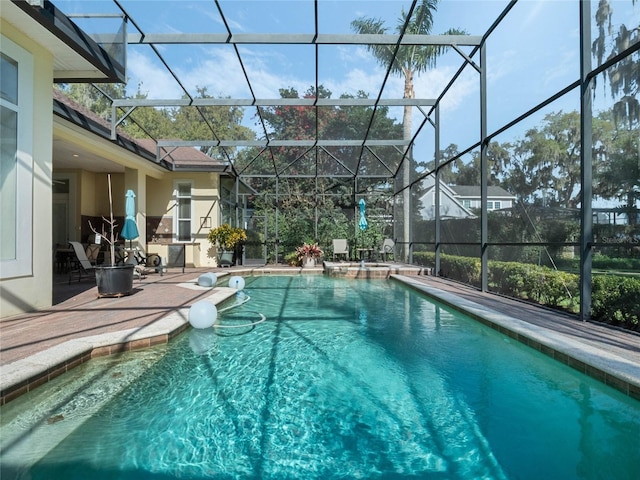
(345, 379)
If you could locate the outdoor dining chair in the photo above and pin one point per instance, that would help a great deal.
(387, 248)
(340, 247)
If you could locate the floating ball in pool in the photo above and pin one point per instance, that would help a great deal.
(236, 282)
(203, 314)
(207, 279)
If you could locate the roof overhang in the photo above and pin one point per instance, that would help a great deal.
(77, 57)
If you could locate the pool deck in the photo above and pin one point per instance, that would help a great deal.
(37, 347)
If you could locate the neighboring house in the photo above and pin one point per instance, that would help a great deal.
(460, 201)
(55, 166)
(497, 197)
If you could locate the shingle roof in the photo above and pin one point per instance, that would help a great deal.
(180, 157)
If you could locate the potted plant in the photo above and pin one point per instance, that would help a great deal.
(227, 239)
(308, 253)
(112, 280)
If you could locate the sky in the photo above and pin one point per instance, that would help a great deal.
(530, 56)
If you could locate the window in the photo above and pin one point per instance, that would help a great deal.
(16, 162)
(497, 205)
(183, 216)
(466, 203)
(489, 205)
(227, 201)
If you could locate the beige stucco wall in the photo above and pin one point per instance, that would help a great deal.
(101, 194)
(88, 198)
(34, 291)
(206, 211)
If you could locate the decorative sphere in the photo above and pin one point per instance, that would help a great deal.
(203, 314)
(236, 282)
(207, 279)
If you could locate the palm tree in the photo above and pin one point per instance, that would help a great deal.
(407, 61)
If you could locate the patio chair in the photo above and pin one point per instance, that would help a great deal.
(387, 248)
(340, 247)
(81, 264)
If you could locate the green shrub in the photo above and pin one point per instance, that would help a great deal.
(462, 269)
(508, 278)
(424, 259)
(601, 262)
(616, 299)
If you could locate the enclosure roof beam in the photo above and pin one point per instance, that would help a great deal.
(301, 39)
(283, 143)
(274, 102)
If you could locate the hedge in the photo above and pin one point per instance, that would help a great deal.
(615, 299)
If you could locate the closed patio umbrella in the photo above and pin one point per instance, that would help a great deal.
(130, 228)
(362, 224)
(363, 221)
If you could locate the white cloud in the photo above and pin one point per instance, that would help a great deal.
(431, 84)
(358, 79)
(217, 68)
(155, 80)
(533, 14)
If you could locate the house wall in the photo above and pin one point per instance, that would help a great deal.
(88, 188)
(101, 193)
(476, 204)
(161, 211)
(91, 188)
(34, 290)
(448, 207)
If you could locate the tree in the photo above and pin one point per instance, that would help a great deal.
(617, 163)
(620, 172)
(407, 61)
(210, 122)
(96, 98)
(318, 186)
(545, 165)
(145, 122)
(624, 75)
(184, 123)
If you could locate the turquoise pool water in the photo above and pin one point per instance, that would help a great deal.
(345, 379)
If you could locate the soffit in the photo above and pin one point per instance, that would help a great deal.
(75, 55)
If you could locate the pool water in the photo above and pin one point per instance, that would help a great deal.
(345, 379)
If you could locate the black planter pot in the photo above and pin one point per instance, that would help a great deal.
(114, 281)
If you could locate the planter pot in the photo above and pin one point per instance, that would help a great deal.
(308, 262)
(114, 281)
(225, 258)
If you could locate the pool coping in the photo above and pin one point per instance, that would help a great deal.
(23, 375)
(606, 367)
(372, 270)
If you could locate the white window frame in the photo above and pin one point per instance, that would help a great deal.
(497, 204)
(176, 217)
(22, 264)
